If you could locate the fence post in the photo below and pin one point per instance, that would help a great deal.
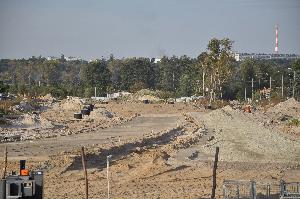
(214, 180)
(85, 173)
(268, 191)
(252, 190)
(5, 163)
(224, 191)
(282, 188)
(237, 191)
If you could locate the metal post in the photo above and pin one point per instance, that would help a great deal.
(282, 85)
(95, 92)
(268, 191)
(252, 89)
(254, 190)
(107, 174)
(245, 93)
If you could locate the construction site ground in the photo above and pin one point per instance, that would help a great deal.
(160, 150)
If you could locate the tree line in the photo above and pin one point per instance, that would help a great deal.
(214, 73)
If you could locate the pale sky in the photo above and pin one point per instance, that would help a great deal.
(149, 28)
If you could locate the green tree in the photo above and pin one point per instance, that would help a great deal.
(218, 64)
(96, 74)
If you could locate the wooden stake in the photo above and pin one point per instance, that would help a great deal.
(214, 180)
(85, 173)
(5, 163)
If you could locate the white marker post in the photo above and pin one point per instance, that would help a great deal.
(107, 174)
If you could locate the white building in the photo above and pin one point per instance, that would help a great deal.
(157, 60)
(261, 56)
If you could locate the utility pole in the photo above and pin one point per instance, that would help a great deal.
(245, 94)
(203, 83)
(294, 84)
(173, 81)
(282, 85)
(107, 174)
(270, 87)
(252, 89)
(259, 89)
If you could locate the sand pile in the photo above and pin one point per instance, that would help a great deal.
(242, 138)
(101, 113)
(32, 121)
(290, 107)
(72, 103)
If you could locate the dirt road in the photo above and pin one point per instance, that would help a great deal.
(41, 149)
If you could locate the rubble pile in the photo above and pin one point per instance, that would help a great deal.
(23, 107)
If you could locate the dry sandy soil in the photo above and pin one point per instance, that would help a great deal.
(165, 151)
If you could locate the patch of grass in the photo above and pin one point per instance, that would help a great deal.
(294, 122)
(5, 106)
(3, 122)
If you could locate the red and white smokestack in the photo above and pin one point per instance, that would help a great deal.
(276, 45)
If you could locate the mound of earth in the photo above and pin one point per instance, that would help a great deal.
(101, 113)
(24, 107)
(289, 107)
(72, 103)
(242, 138)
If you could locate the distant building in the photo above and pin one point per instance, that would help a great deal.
(70, 58)
(262, 56)
(49, 58)
(157, 60)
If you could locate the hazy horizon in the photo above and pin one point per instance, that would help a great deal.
(139, 28)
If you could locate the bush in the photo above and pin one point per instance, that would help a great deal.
(294, 122)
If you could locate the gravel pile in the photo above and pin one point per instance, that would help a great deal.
(242, 138)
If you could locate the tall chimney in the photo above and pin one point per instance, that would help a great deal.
(276, 40)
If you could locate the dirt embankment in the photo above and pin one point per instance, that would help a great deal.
(141, 167)
(242, 138)
(57, 119)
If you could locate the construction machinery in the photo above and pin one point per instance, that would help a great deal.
(27, 185)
